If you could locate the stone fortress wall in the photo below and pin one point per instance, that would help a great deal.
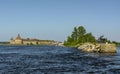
(28, 41)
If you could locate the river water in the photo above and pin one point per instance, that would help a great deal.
(56, 60)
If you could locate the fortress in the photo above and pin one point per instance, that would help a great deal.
(28, 41)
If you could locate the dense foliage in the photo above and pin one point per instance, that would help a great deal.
(117, 43)
(79, 36)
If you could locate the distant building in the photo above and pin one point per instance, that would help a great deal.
(28, 41)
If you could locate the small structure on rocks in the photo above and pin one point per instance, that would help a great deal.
(101, 39)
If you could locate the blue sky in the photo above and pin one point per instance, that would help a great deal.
(55, 19)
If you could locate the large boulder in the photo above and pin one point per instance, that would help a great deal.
(107, 48)
(100, 48)
(87, 47)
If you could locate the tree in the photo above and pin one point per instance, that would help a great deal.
(90, 38)
(117, 43)
(81, 39)
(74, 35)
(79, 36)
(70, 39)
(81, 31)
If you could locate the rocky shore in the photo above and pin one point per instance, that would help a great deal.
(98, 47)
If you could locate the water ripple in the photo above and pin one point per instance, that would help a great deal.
(55, 60)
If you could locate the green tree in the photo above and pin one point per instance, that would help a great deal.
(81, 31)
(70, 39)
(90, 38)
(117, 43)
(74, 35)
(81, 39)
(79, 36)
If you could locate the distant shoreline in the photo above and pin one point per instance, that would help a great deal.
(24, 45)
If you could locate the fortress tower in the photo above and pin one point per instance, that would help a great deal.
(18, 40)
(12, 41)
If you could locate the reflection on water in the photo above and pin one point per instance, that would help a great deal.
(55, 60)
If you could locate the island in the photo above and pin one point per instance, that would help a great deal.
(88, 43)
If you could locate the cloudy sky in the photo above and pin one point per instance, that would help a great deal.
(55, 19)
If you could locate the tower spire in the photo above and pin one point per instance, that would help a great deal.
(18, 37)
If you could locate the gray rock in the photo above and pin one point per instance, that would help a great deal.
(99, 48)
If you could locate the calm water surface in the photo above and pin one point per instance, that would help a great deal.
(56, 60)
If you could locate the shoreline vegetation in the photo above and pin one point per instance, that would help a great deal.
(87, 42)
